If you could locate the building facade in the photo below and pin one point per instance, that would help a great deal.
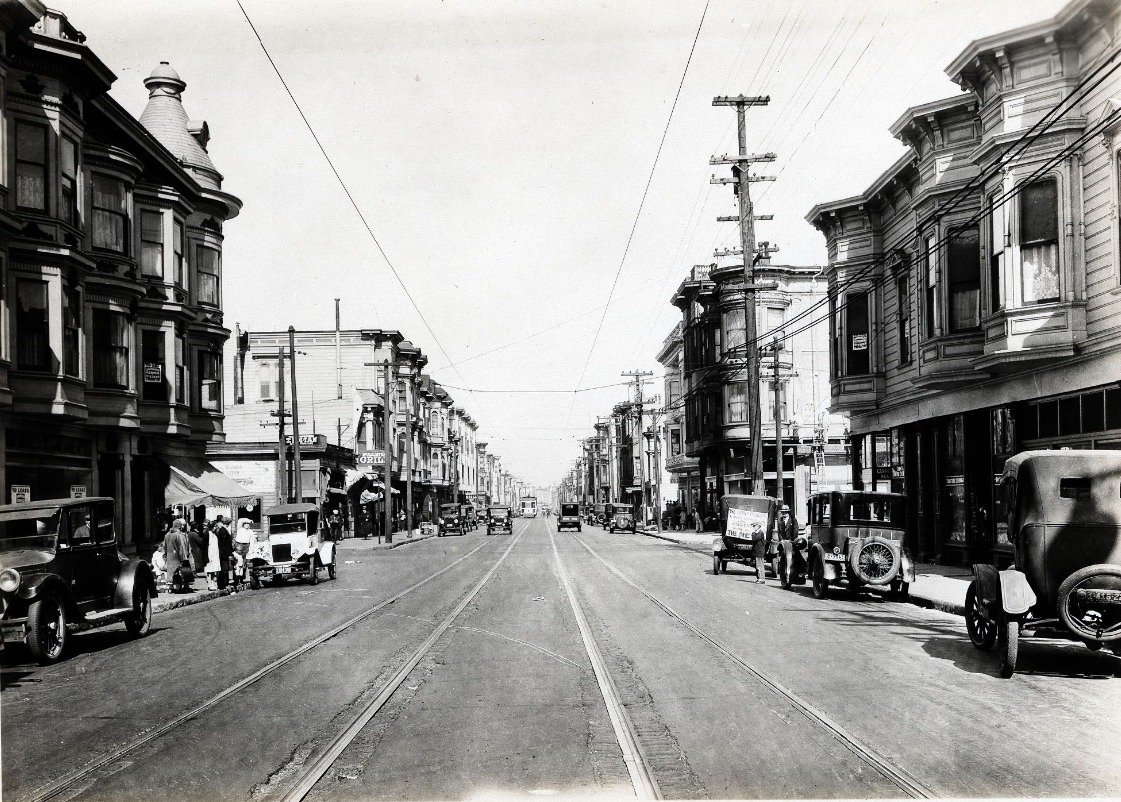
(111, 316)
(975, 287)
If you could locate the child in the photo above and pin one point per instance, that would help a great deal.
(159, 566)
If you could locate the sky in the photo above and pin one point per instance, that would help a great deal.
(514, 187)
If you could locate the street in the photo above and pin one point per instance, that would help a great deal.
(553, 663)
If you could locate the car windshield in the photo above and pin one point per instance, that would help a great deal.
(500, 512)
(449, 509)
(29, 529)
(288, 522)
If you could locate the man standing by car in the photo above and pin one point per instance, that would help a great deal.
(787, 524)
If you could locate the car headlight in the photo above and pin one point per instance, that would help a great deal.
(9, 580)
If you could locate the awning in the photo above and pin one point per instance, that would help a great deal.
(194, 482)
(353, 477)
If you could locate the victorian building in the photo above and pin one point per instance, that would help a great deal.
(975, 287)
(111, 233)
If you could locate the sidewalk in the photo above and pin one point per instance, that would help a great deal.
(940, 587)
(351, 545)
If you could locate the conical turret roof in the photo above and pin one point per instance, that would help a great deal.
(166, 119)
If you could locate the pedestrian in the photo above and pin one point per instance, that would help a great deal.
(759, 550)
(242, 541)
(787, 524)
(159, 566)
(681, 519)
(225, 540)
(213, 563)
(198, 537)
(177, 555)
(335, 527)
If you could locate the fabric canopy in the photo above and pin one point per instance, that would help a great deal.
(194, 482)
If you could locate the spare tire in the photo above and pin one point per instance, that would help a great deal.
(1089, 602)
(876, 561)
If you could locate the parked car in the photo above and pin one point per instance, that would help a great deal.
(500, 518)
(621, 522)
(289, 546)
(856, 538)
(450, 520)
(743, 519)
(470, 516)
(1063, 517)
(60, 567)
(569, 516)
(598, 515)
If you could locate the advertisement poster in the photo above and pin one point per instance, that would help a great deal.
(747, 525)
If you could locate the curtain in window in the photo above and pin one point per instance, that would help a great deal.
(965, 280)
(208, 276)
(151, 244)
(1039, 241)
(1040, 272)
(109, 214)
(735, 332)
(110, 349)
(31, 166)
(33, 350)
(736, 395)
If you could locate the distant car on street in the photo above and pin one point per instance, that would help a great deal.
(569, 516)
(451, 520)
(60, 567)
(621, 522)
(500, 519)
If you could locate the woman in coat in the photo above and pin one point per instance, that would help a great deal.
(176, 550)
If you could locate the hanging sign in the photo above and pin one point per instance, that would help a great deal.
(153, 372)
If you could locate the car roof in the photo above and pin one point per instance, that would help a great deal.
(288, 509)
(50, 503)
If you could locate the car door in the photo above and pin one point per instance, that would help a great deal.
(109, 559)
(85, 558)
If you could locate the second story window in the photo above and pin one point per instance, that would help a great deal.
(33, 346)
(857, 359)
(1039, 241)
(735, 332)
(735, 395)
(68, 170)
(210, 380)
(903, 294)
(151, 244)
(71, 331)
(964, 272)
(110, 214)
(177, 247)
(268, 373)
(180, 369)
(931, 287)
(31, 166)
(997, 235)
(208, 277)
(153, 365)
(110, 349)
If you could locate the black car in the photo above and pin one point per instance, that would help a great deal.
(569, 516)
(60, 567)
(500, 519)
(451, 520)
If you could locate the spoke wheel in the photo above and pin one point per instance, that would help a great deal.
(876, 563)
(46, 620)
(981, 632)
(820, 583)
(716, 565)
(330, 570)
(782, 571)
(140, 620)
(313, 572)
(1008, 646)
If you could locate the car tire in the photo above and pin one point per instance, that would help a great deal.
(139, 621)
(47, 636)
(1072, 618)
(819, 583)
(331, 570)
(716, 564)
(313, 572)
(982, 633)
(1008, 646)
(254, 581)
(875, 562)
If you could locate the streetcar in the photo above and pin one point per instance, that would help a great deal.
(529, 507)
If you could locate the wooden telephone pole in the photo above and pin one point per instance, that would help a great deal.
(638, 376)
(743, 180)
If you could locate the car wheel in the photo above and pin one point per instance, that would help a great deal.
(254, 582)
(716, 565)
(876, 562)
(900, 590)
(331, 570)
(1081, 607)
(820, 583)
(313, 572)
(48, 636)
(783, 579)
(139, 621)
(1008, 646)
(775, 567)
(981, 632)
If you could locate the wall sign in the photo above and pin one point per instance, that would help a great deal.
(21, 494)
(153, 372)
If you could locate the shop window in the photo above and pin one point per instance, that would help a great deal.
(1093, 412)
(31, 166)
(857, 360)
(735, 394)
(964, 273)
(68, 177)
(33, 348)
(210, 380)
(1070, 415)
(903, 294)
(1113, 409)
(153, 365)
(110, 214)
(997, 239)
(1028, 422)
(71, 331)
(208, 277)
(151, 244)
(1048, 418)
(1039, 241)
(110, 349)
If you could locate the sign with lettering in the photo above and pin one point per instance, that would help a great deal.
(860, 342)
(21, 494)
(370, 458)
(153, 372)
(78, 491)
(307, 439)
(748, 525)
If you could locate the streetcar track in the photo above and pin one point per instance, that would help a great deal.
(321, 759)
(75, 777)
(898, 776)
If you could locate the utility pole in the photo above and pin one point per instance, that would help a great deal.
(338, 354)
(775, 348)
(409, 453)
(740, 164)
(282, 490)
(299, 493)
(657, 476)
(388, 489)
(638, 376)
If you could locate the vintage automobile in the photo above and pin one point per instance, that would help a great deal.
(451, 520)
(1063, 512)
(470, 516)
(289, 546)
(597, 515)
(60, 568)
(621, 521)
(500, 518)
(743, 519)
(569, 516)
(856, 538)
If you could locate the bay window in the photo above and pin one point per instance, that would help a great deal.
(153, 365)
(180, 369)
(857, 360)
(110, 349)
(1039, 241)
(33, 345)
(735, 331)
(964, 273)
(151, 244)
(903, 293)
(177, 247)
(68, 169)
(71, 331)
(998, 234)
(208, 277)
(210, 380)
(110, 214)
(931, 288)
(735, 399)
(31, 166)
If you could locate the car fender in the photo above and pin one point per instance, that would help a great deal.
(133, 572)
(906, 567)
(986, 580)
(38, 586)
(327, 553)
(830, 570)
(1016, 595)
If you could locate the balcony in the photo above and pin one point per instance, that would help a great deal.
(1031, 335)
(859, 393)
(947, 361)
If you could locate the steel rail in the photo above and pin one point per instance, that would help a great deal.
(641, 773)
(75, 776)
(321, 760)
(907, 783)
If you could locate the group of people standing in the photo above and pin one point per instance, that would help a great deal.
(207, 549)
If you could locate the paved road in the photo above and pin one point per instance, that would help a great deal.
(554, 663)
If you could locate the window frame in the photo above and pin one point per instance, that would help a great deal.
(963, 277)
(69, 203)
(26, 327)
(111, 338)
(1025, 245)
(149, 246)
(209, 366)
(72, 319)
(100, 213)
(903, 315)
(30, 166)
(202, 285)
